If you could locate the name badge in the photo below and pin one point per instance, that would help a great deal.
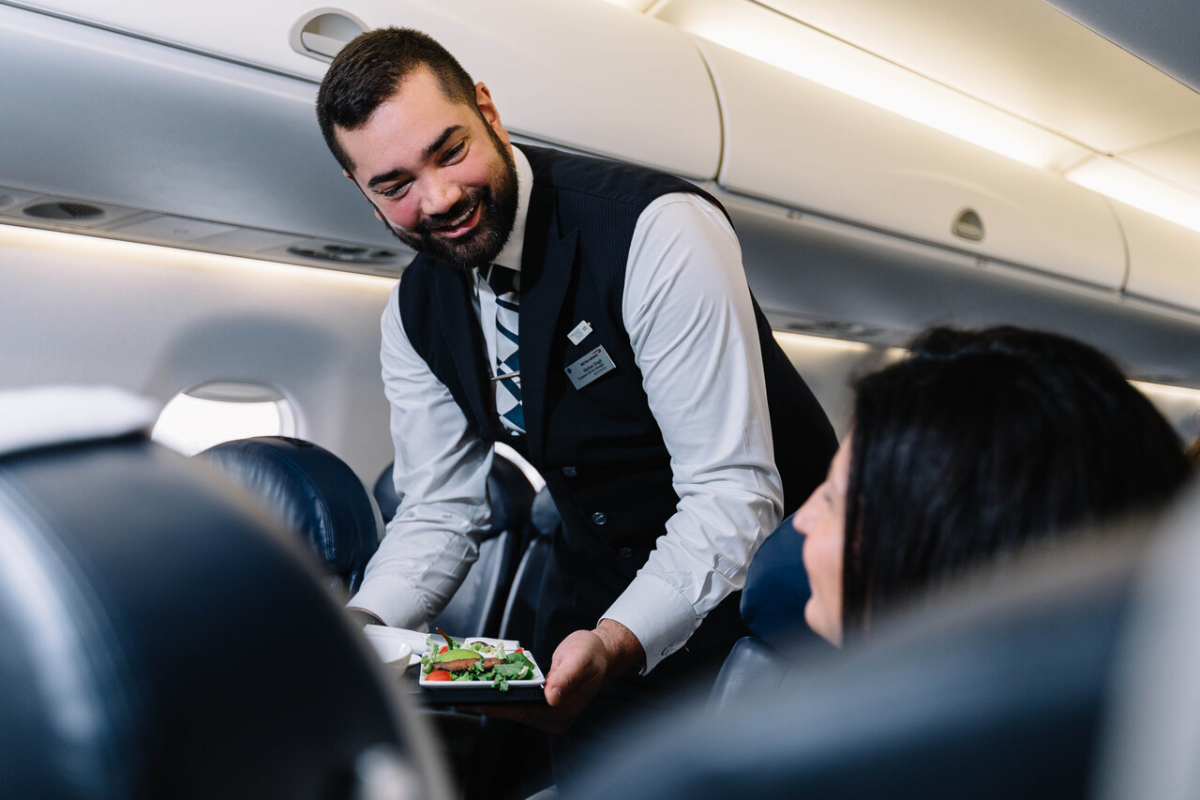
(592, 366)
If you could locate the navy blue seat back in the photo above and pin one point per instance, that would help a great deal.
(999, 693)
(314, 492)
(777, 589)
(162, 637)
(478, 605)
(772, 607)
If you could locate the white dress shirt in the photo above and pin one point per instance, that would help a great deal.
(687, 309)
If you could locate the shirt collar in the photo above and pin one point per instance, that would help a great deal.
(510, 256)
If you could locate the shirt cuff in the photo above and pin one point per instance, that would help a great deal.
(657, 614)
(395, 602)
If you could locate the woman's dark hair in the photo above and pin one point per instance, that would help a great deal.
(982, 441)
(368, 71)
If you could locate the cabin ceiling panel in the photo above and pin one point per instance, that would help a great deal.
(1176, 160)
(1019, 55)
(579, 73)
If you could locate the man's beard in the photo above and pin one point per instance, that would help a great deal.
(480, 245)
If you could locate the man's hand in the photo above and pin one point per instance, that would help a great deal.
(582, 664)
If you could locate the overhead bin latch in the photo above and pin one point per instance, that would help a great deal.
(323, 32)
(968, 225)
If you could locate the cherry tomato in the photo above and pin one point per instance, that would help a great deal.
(439, 675)
(519, 650)
(444, 649)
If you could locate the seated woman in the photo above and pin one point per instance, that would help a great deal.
(978, 443)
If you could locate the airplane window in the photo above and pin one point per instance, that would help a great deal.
(218, 412)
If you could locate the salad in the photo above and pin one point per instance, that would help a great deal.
(476, 661)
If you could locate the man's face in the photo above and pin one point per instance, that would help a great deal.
(439, 173)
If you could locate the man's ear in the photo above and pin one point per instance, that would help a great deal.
(347, 174)
(489, 112)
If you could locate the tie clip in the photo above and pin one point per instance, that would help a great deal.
(506, 376)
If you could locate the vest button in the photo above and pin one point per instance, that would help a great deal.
(570, 472)
(599, 518)
(625, 552)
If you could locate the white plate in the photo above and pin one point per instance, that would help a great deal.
(537, 680)
(391, 645)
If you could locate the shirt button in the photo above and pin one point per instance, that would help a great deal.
(625, 552)
(599, 518)
(569, 472)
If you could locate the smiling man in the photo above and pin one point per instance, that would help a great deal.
(595, 316)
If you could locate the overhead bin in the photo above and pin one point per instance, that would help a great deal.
(100, 126)
(1164, 258)
(578, 73)
(802, 145)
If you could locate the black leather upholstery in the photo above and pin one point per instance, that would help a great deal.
(313, 491)
(160, 636)
(520, 611)
(752, 668)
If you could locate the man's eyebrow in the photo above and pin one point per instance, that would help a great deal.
(441, 140)
(434, 146)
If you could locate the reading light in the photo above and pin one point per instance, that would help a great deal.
(791, 45)
(1125, 182)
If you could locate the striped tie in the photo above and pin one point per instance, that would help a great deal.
(508, 390)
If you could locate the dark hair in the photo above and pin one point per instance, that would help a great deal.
(982, 441)
(369, 70)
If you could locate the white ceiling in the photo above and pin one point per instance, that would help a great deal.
(1022, 57)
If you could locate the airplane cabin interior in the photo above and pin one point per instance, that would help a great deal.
(195, 457)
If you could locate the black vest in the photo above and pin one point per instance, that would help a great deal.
(599, 448)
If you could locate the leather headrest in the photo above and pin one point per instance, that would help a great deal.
(162, 637)
(313, 491)
(777, 589)
(544, 516)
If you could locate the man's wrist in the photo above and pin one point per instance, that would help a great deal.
(362, 617)
(625, 652)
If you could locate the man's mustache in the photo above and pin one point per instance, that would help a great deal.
(439, 220)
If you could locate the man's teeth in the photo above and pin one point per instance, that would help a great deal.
(460, 220)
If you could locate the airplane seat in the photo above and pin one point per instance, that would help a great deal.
(521, 609)
(385, 495)
(478, 605)
(162, 637)
(998, 689)
(314, 492)
(772, 607)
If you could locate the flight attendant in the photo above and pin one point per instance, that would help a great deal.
(596, 317)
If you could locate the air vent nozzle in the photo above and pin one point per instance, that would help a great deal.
(345, 254)
(64, 211)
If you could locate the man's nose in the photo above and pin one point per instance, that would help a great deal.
(439, 197)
